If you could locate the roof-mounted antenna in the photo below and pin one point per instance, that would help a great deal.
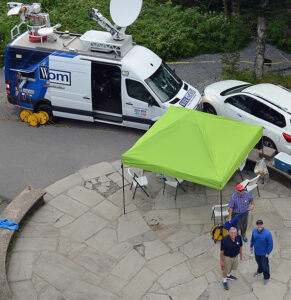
(31, 16)
(123, 13)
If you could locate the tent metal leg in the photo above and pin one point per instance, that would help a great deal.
(123, 188)
(176, 191)
(220, 195)
(240, 172)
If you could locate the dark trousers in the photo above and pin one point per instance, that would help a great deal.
(263, 265)
(242, 223)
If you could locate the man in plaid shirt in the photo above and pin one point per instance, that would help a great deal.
(240, 202)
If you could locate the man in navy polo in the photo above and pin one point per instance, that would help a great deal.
(230, 247)
(240, 202)
(263, 242)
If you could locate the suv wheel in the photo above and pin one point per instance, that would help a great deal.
(269, 143)
(208, 108)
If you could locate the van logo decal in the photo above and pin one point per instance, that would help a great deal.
(54, 76)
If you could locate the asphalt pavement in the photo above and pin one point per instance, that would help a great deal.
(40, 156)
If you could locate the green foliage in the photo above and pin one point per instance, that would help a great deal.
(276, 34)
(171, 32)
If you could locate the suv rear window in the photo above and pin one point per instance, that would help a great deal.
(235, 89)
(266, 113)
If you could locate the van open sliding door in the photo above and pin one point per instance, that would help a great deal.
(106, 92)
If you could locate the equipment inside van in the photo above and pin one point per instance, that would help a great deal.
(98, 76)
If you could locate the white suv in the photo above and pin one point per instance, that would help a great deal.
(265, 104)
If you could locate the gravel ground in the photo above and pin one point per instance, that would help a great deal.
(203, 74)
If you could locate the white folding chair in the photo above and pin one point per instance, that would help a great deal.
(251, 184)
(138, 182)
(216, 211)
(175, 184)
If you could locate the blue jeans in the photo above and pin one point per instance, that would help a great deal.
(263, 265)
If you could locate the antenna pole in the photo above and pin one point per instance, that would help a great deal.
(96, 15)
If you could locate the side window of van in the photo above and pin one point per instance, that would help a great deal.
(136, 90)
(262, 111)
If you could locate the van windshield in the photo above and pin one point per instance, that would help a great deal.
(164, 83)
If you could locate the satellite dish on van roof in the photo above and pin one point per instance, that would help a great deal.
(45, 31)
(125, 12)
(14, 11)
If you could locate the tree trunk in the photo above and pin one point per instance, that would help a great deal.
(225, 9)
(235, 7)
(260, 47)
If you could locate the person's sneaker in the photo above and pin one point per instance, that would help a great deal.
(230, 277)
(266, 281)
(245, 239)
(225, 285)
(256, 274)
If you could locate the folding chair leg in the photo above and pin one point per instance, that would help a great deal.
(134, 192)
(258, 191)
(164, 187)
(131, 186)
(144, 190)
(182, 187)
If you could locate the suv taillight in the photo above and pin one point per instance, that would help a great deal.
(287, 137)
(7, 87)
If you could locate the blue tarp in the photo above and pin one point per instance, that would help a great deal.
(7, 224)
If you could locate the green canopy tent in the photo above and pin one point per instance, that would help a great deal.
(194, 146)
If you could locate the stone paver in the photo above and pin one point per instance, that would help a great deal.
(69, 205)
(97, 262)
(84, 227)
(190, 290)
(64, 184)
(140, 284)
(177, 275)
(129, 265)
(88, 197)
(107, 210)
(130, 225)
(79, 245)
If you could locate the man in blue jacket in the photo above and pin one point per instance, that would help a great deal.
(263, 242)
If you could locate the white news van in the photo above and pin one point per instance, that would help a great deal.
(92, 77)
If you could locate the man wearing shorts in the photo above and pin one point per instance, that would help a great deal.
(230, 247)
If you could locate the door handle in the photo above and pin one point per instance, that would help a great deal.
(239, 115)
(85, 97)
(129, 103)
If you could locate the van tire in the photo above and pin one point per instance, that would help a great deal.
(47, 108)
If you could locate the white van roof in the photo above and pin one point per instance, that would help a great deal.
(141, 62)
(275, 94)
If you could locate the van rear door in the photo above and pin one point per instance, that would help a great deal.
(69, 86)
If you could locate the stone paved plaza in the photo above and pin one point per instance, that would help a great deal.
(79, 245)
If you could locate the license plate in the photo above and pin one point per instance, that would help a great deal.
(188, 96)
